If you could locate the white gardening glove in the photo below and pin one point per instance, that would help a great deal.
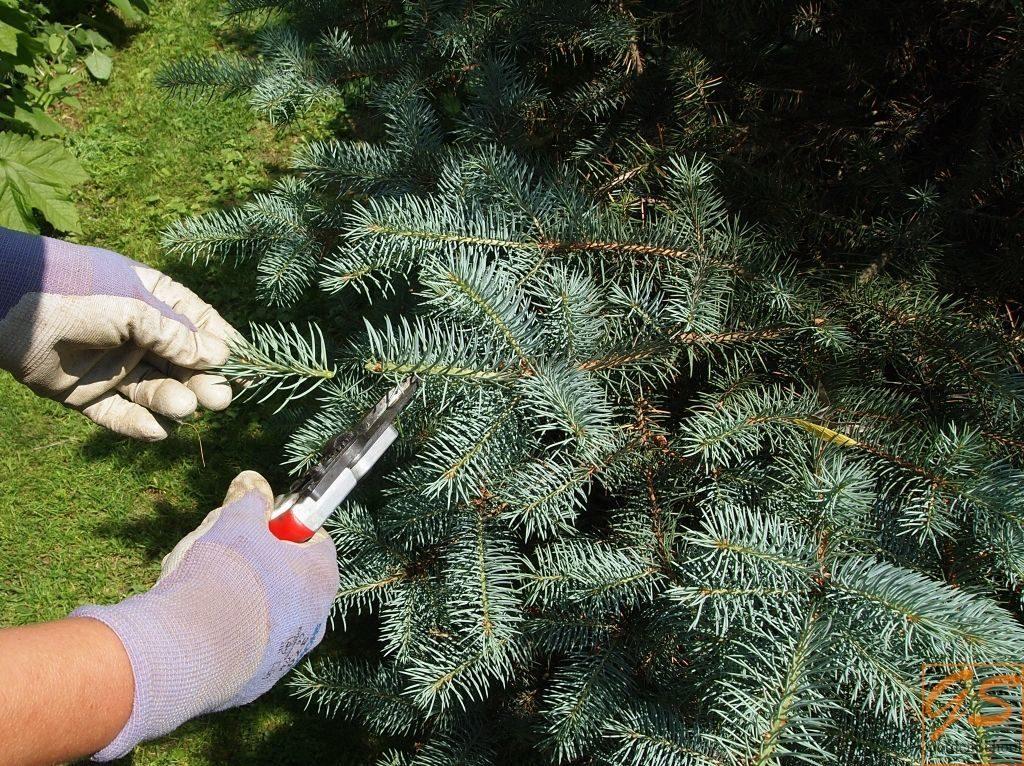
(233, 611)
(107, 336)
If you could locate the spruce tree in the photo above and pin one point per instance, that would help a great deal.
(679, 488)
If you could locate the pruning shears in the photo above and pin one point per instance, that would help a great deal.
(346, 459)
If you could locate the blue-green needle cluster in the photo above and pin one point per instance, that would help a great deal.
(673, 493)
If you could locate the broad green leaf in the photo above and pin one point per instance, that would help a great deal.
(99, 65)
(90, 37)
(11, 14)
(9, 38)
(19, 111)
(37, 175)
(63, 82)
(130, 11)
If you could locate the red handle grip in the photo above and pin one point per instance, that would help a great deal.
(287, 527)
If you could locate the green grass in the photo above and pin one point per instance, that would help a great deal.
(85, 516)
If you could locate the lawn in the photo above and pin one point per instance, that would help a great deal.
(86, 516)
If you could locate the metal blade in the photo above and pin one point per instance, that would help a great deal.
(346, 449)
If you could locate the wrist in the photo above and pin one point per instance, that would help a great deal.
(175, 637)
(142, 635)
(21, 267)
(118, 679)
(23, 277)
(66, 692)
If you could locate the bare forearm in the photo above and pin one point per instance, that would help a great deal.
(66, 690)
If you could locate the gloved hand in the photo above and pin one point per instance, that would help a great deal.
(107, 336)
(233, 611)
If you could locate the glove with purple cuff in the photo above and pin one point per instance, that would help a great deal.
(233, 611)
(107, 336)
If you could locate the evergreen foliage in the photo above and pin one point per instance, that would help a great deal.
(682, 486)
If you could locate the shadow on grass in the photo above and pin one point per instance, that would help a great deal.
(306, 738)
(207, 456)
(273, 731)
(97, 15)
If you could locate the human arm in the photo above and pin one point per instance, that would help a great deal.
(65, 690)
(121, 342)
(233, 611)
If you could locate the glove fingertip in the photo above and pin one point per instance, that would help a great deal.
(213, 391)
(250, 481)
(146, 428)
(154, 435)
(173, 400)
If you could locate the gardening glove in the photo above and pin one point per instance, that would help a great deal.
(107, 336)
(233, 611)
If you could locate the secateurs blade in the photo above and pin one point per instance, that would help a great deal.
(346, 459)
